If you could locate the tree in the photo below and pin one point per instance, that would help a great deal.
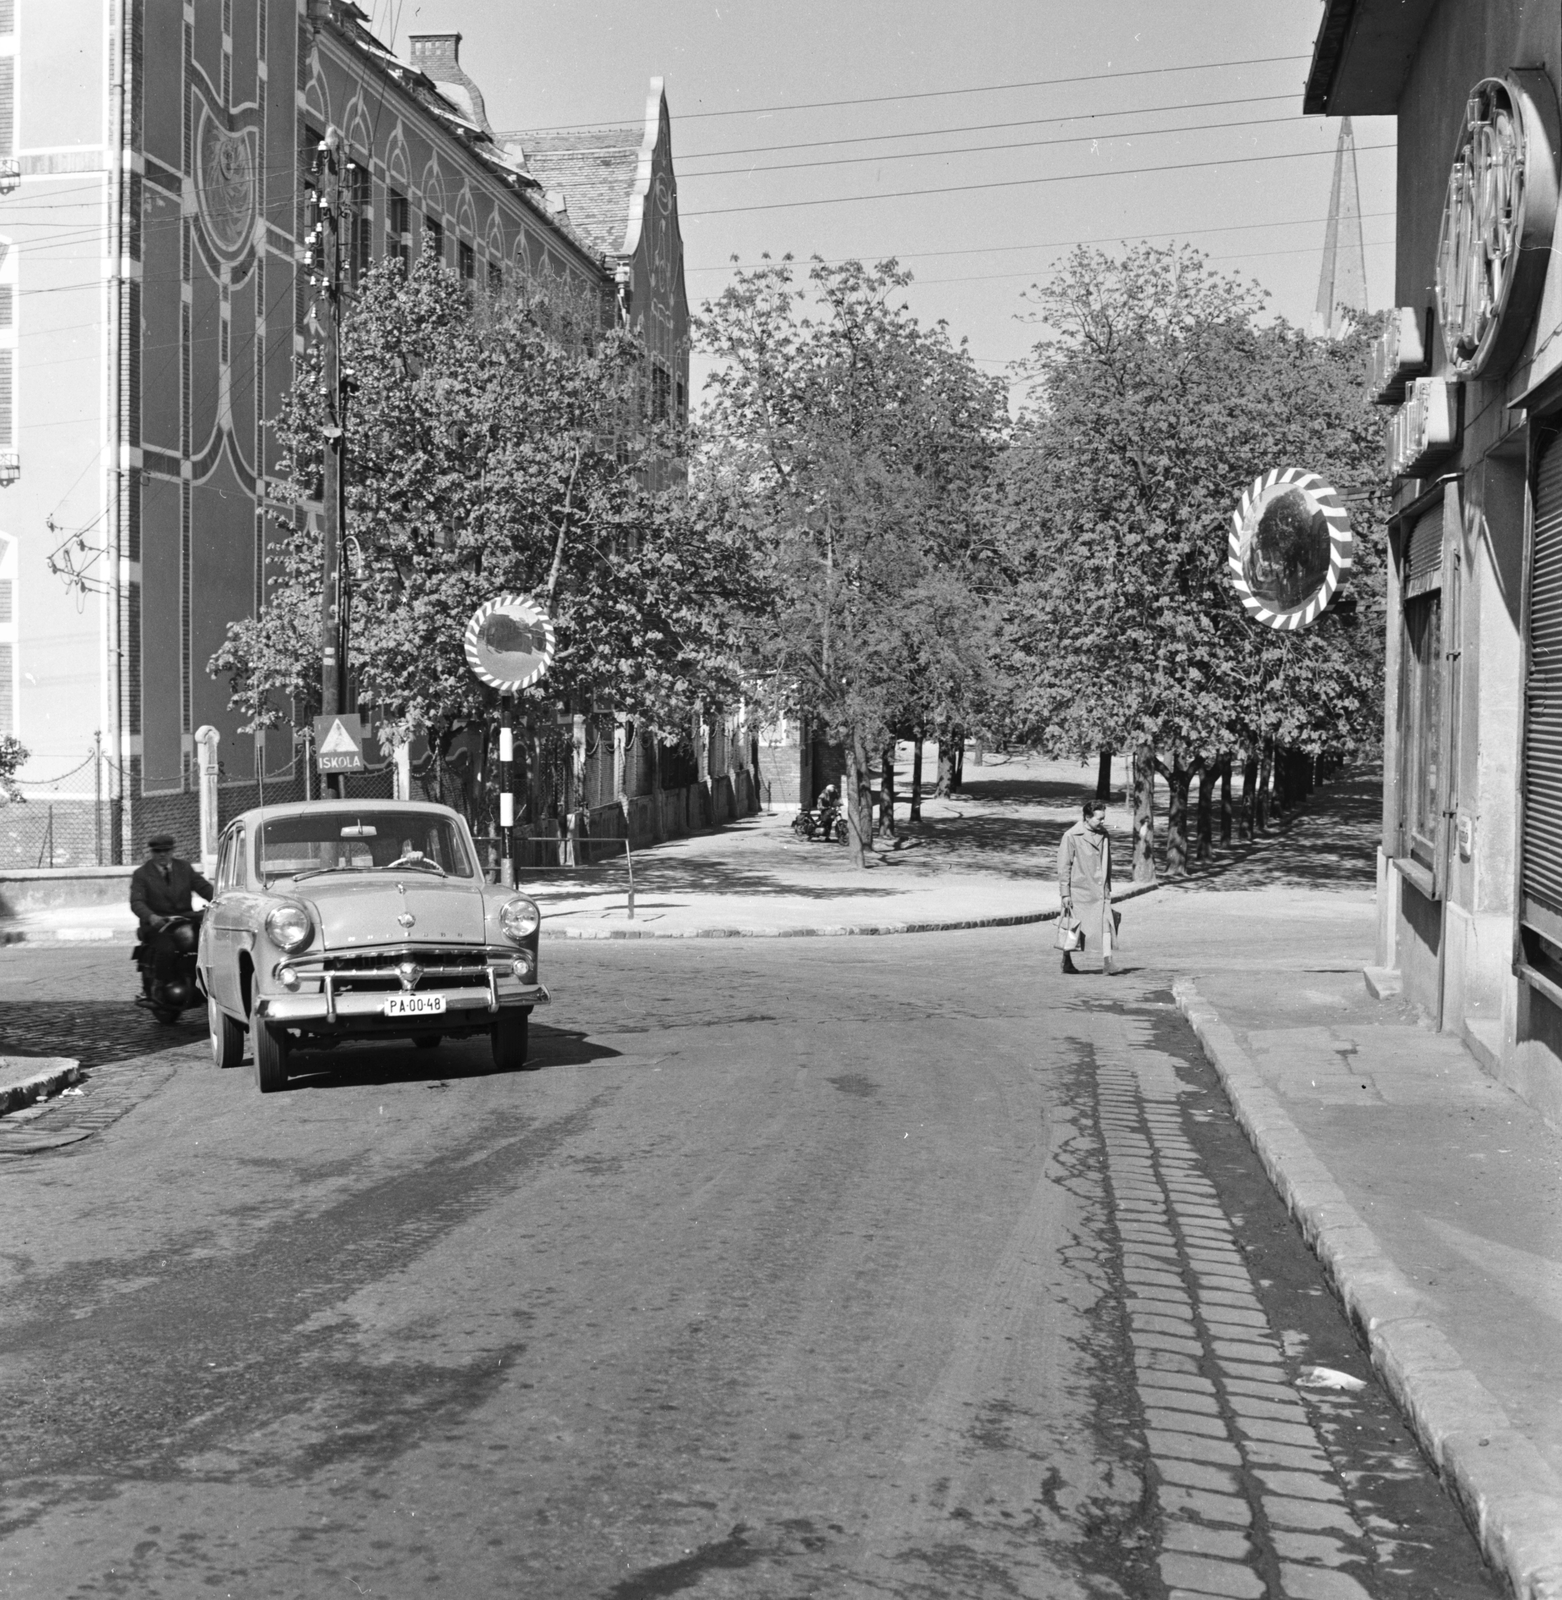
(851, 443)
(1160, 396)
(13, 757)
(494, 445)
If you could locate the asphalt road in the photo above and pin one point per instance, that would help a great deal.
(819, 1267)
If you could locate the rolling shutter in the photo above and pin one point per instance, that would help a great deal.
(1542, 869)
(1424, 554)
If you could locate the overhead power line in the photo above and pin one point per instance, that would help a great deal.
(940, 94)
(983, 149)
(1045, 244)
(985, 127)
(1021, 183)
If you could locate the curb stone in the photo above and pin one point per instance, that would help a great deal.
(56, 1073)
(1507, 1490)
(857, 930)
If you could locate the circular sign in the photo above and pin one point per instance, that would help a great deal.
(1497, 224)
(509, 642)
(1290, 546)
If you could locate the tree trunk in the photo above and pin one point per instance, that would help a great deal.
(1144, 816)
(959, 735)
(1104, 777)
(1207, 777)
(1225, 801)
(916, 778)
(1261, 808)
(946, 768)
(858, 800)
(1249, 798)
(887, 790)
(1178, 779)
(979, 752)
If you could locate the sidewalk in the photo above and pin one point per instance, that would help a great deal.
(1432, 1194)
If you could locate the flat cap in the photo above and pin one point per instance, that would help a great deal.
(160, 841)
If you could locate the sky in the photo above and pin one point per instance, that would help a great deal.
(930, 81)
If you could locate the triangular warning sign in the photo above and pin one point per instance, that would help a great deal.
(338, 741)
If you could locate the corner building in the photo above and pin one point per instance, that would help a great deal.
(1470, 374)
(155, 160)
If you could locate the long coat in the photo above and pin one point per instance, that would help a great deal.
(1085, 881)
(153, 896)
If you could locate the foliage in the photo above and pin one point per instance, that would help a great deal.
(494, 446)
(851, 444)
(13, 757)
(1160, 396)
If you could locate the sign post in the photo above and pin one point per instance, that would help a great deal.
(509, 645)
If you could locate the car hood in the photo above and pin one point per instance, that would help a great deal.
(357, 912)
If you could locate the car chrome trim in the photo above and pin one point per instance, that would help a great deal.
(295, 1008)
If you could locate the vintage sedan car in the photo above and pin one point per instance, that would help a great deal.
(362, 919)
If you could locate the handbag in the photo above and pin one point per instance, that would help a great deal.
(1070, 935)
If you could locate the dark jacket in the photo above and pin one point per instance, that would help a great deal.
(153, 896)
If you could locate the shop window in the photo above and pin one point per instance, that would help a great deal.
(1420, 725)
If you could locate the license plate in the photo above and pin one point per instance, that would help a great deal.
(414, 1005)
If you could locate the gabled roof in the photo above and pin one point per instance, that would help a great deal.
(594, 169)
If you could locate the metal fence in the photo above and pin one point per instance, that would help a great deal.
(62, 820)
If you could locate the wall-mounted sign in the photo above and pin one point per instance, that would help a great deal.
(1425, 428)
(1497, 221)
(510, 643)
(1290, 547)
(1398, 356)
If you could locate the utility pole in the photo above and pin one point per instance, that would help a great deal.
(328, 300)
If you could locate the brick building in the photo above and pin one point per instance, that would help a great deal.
(154, 157)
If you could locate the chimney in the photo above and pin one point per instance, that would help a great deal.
(438, 55)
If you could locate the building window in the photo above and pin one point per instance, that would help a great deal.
(496, 278)
(359, 221)
(467, 256)
(7, 105)
(661, 392)
(8, 672)
(434, 239)
(398, 229)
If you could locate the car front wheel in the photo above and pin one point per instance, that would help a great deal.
(508, 1035)
(271, 1051)
(227, 1036)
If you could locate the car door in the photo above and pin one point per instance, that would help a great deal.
(219, 931)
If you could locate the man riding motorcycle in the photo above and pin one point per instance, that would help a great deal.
(160, 891)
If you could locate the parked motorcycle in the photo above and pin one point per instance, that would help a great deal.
(169, 983)
(826, 823)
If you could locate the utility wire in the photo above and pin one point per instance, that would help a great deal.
(983, 127)
(938, 94)
(1044, 244)
(981, 149)
(1020, 183)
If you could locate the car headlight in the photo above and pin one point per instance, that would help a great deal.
(519, 919)
(289, 928)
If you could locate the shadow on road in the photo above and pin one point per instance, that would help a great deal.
(95, 1032)
(374, 1063)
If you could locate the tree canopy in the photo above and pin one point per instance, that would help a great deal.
(850, 444)
(1159, 396)
(494, 445)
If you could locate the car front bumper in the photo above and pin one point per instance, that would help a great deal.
(466, 1007)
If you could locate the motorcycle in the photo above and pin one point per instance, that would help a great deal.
(169, 982)
(826, 823)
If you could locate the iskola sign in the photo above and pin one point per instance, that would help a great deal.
(1498, 218)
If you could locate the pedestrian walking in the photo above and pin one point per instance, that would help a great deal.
(1085, 883)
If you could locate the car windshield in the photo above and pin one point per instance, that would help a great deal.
(376, 839)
